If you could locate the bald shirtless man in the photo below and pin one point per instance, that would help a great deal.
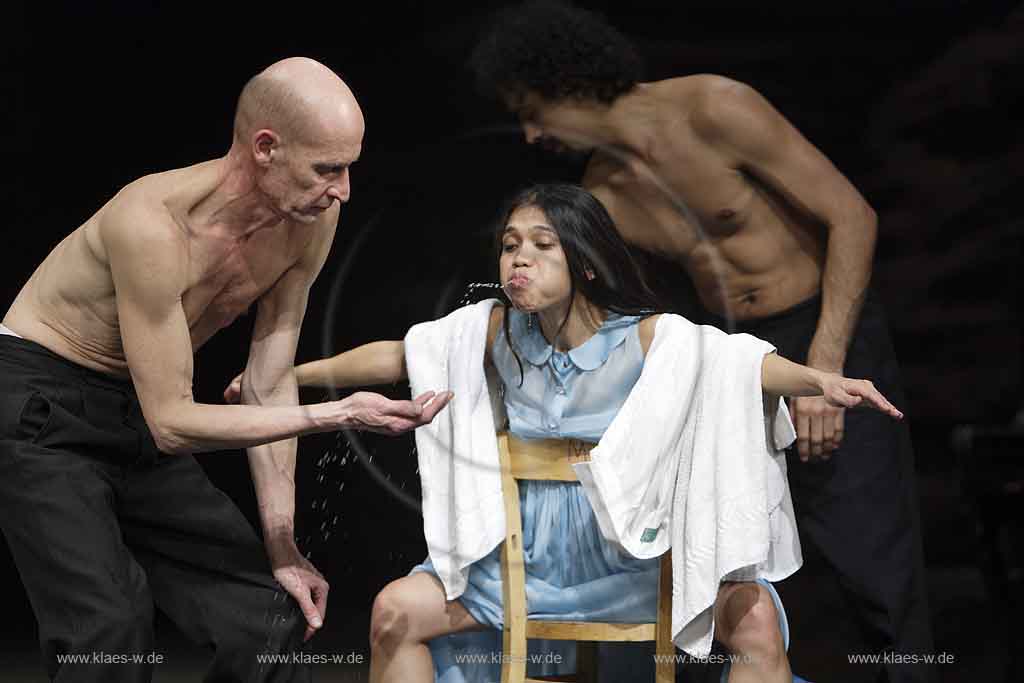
(104, 507)
(703, 170)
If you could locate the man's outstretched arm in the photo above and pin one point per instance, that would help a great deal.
(759, 141)
(149, 262)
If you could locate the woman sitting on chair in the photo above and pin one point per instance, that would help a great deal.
(568, 351)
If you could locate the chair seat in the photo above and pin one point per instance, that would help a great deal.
(590, 630)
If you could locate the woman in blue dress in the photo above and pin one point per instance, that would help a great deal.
(568, 351)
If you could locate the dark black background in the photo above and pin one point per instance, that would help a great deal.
(917, 102)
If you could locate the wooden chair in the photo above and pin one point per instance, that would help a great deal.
(551, 460)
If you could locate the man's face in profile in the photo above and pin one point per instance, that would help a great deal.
(555, 126)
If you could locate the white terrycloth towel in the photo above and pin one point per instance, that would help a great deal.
(694, 461)
(463, 513)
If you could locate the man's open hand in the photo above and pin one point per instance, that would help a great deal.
(375, 413)
(819, 419)
(819, 427)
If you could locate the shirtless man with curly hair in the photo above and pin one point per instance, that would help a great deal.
(704, 171)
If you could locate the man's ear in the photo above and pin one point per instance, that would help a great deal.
(265, 144)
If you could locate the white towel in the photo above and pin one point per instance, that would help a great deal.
(694, 461)
(463, 513)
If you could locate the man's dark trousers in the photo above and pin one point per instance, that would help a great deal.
(860, 507)
(103, 526)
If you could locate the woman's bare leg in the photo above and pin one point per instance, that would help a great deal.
(747, 624)
(407, 614)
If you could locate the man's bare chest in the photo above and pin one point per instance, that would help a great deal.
(673, 208)
(226, 278)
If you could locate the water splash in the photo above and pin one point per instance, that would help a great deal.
(471, 295)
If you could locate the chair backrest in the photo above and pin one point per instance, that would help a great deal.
(552, 460)
(543, 459)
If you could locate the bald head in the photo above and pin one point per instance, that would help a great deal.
(299, 99)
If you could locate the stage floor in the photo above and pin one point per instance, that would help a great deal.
(966, 624)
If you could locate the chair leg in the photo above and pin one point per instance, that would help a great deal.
(513, 641)
(586, 662)
(513, 577)
(664, 650)
(513, 659)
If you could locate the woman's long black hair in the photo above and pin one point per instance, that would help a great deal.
(590, 242)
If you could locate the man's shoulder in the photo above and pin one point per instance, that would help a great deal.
(154, 196)
(697, 90)
(717, 104)
(695, 84)
(699, 107)
(138, 218)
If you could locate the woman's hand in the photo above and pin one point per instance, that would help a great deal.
(233, 392)
(842, 392)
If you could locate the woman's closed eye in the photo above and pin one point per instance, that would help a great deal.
(512, 246)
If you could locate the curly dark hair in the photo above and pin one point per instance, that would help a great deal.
(555, 50)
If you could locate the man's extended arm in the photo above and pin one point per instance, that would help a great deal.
(761, 142)
(149, 263)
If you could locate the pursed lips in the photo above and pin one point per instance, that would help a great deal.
(518, 280)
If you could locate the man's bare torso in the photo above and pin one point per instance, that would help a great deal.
(748, 251)
(69, 303)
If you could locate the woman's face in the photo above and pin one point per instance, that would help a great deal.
(533, 269)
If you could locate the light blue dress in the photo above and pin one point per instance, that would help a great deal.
(572, 573)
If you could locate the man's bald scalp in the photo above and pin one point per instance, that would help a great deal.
(265, 103)
(291, 97)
